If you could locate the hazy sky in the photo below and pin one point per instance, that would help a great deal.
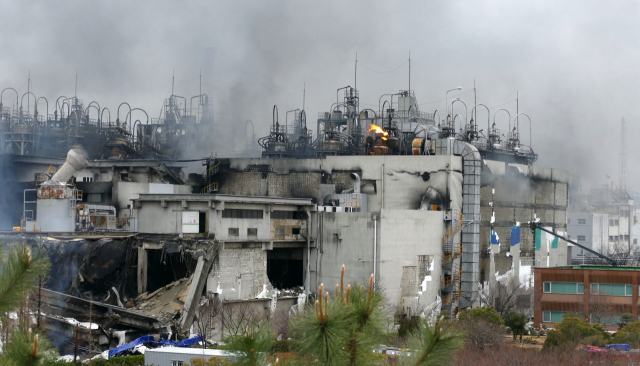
(573, 63)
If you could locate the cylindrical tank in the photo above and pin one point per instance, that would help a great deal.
(417, 146)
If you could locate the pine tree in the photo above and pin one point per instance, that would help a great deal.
(20, 272)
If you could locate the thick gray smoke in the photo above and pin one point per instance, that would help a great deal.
(573, 63)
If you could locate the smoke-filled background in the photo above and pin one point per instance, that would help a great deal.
(573, 63)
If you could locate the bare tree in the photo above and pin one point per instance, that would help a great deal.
(509, 294)
(601, 309)
(206, 316)
(237, 316)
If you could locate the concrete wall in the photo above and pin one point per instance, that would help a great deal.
(402, 235)
(240, 271)
(516, 193)
(406, 178)
(124, 192)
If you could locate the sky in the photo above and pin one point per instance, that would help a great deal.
(572, 64)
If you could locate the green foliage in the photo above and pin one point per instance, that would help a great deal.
(516, 322)
(437, 344)
(281, 346)
(487, 313)
(630, 334)
(20, 270)
(213, 361)
(253, 345)
(625, 319)
(574, 330)
(406, 327)
(344, 329)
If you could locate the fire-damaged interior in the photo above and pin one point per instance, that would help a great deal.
(285, 268)
(167, 266)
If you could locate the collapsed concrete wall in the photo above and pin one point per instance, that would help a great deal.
(516, 193)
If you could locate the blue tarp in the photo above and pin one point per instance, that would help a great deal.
(183, 343)
(130, 345)
(619, 347)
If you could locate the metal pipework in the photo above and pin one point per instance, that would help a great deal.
(446, 97)
(17, 96)
(129, 116)
(118, 114)
(102, 113)
(454, 122)
(434, 116)
(68, 109)
(253, 132)
(465, 110)
(46, 117)
(518, 127)
(356, 184)
(86, 110)
(488, 115)
(275, 116)
(502, 109)
(56, 105)
(22, 100)
(185, 102)
(191, 102)
(75, 161)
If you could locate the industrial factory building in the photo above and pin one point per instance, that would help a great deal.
(398, 193)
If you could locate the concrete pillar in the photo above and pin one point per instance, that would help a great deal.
(142, 270)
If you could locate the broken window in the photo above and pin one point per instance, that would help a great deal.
(167, 266)
(233, 213)
(424, 266)
(252, 232)
(295, 231)
(285, 268)
(233, 231)
(287, 215)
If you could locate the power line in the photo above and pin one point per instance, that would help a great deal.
(382, 72)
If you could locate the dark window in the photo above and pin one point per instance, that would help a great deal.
(581, 238)
(202, 222)
(612, 222)
(124, 176)
(94, 197)
(582, 221)
(279, 231)
(288, 215)
(617, 222)
(233, 231)
(252, 232)
(295, 231)
(233, 213)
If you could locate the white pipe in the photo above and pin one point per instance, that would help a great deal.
(75, 161)
(382, 184)
(307, 282)
(375, 245)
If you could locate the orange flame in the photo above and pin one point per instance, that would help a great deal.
(378, 129)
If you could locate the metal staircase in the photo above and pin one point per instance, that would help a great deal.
(213, 166)
(451, 288)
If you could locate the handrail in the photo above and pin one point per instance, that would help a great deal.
(454, 229)
(211, 187)
(214, 168)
